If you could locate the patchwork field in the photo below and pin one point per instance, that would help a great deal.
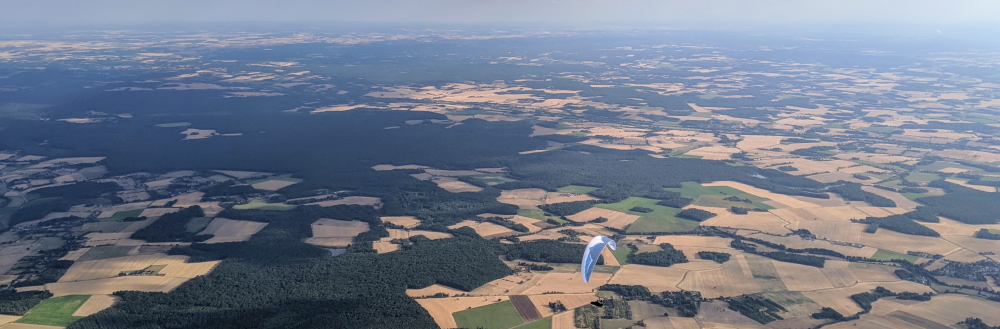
(55, 311)
(441, 309)
(110, 285)
(500, 315)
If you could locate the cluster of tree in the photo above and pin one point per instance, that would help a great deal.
(718, 257)
(18, 303)
(641, 209)
(853, 192)
(738, 199)
(685, 302)
(861, 176)
(567, 208)
(226, 189)
(507, 223)
(629, 292)
(744, 210)
(963, 204)
(923, 214)
(828, 313)
(788, 168)
(547, 251)
(172, 227)
(78, 191)
(915, 296)
(587, 316)
(865, 299)
(758, 308)
(695, 214)
(615, 308)
(976, 323)
(535, 267)
(37, 209)
(986, 234)
(557, 306)
(899, 223)
(785, 256)
(815, 151)
(665, 257)
(675, 202)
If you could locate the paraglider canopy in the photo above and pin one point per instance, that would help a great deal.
(592, 253)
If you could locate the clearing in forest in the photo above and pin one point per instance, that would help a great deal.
(335, 233)
(55, 311)
(616, 219)
(228, 230)
(485, 229)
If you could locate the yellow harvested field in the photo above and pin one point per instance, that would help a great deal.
(609, 258)
(796, 242)
(842, 231)
(355, 200)
(754, 220)
(837, 214)
(485, 229)
(990, 189)
(780, 198)
(901, 243)
(96, 303)
(228, 230)
(801, 277)
(571, 301)
(454, 185)
(952, 227)
(653, 277)
(28, 326)
(183, 200)
(833, 177)
(750, 143)
(964, 256)
(335, 233)
(975, 245)
(75, 254)
(880, 211)
(406, 234)
(441, 308)
(542, 235)
(618, 220)
(714, 152)
(110, 285)
(273, 185)
(804, 166)
(404, 221)
(157, 212)
(5, 319)
(176, 266)
(531, 197)
(515, 284)
(382, 247)
(527, 222)
(568, 283)
(433, 289)
(951, 170)
(840, 300)
(733, 278)
(558, 197)
(900, 200)
(385, 167)
(693, 240)
(942, 311)
(564, 320)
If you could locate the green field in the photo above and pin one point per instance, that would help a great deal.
(714, 196)
(544, 323)
(577, 189)
(539, 215)
(56, 311)
(261, 205)
(118, 216)
(616, 323)
(105, 252)
(492, 179)
(993, 231)
(50, 242)
(662, 219)
(621, 254)
(922, 177)
(106, 226)
(285, 177)
(197, 224)
(501, 315)
(881, 165)
(887, 255)
(174, 124)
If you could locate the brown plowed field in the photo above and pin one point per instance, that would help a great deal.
(525, 308)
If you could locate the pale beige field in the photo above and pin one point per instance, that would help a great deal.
(964, 256)
(616, 219)
(571, 301)
(385, 167)
(228, 230)
(404, 221)
(335, 233)
(110, 285)
(750, 143)
(382, 247)
(653, 277)
(839, 299)
(714, 152)
(976, 187)
(780, 198)
(242, 174)
(441, 308)
(157, 212)
(558, 197)
(110, 211)
(799, 243)
(109, 268)
(96, 303)
(355, 200)
(406, 234)
(183, 200)
(433, 289)
(530, 197)
(454, 185)
(901, 243)
(4, 319)
(485, 229)
(609, 258)
(568, 283)
(515, 284)
(974, 244)
(833, 177)
(942, 311)
(527, 222)
(804, 166)
(952, 227)
(801, 277)
(564, 320)
(757, 221)
(273, 185)
(733, 278)
(900, 200)
(28, 326)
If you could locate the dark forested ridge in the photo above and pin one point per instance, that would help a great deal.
(172, 227)
(964, 204)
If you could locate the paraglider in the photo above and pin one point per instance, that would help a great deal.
(592, 253)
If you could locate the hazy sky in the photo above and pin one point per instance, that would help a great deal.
(627, 12)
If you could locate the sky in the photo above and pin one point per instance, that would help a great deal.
(667, 13)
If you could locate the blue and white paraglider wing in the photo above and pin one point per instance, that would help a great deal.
(592, 253)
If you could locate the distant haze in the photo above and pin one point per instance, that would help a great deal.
(605, 12)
